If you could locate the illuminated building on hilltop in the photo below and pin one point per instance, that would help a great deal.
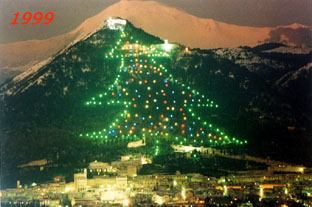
(115, 24)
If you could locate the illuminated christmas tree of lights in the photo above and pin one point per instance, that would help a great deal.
(155, 105)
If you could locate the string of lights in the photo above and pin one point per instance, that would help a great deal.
(155, 105)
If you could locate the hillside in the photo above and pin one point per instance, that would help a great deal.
(259, 95)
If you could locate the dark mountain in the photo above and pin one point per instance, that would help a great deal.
(264, 97)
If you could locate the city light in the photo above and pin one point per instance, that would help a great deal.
(126, 202)
(160, 201)
(183, 193)
(225, 190)
(261, 192)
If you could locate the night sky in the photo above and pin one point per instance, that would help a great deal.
(70, 13)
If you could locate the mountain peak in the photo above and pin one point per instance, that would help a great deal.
(295, 26)
(173, 24)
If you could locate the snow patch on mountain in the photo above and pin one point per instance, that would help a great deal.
(32, 70)
(291, 50)
(293, 75)
(245, 58)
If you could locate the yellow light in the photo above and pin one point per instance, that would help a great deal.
(261, 192)
(183, 193)
(225, 190)
(126, 202)
(159, 201)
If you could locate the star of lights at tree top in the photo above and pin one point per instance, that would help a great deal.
(155, 106)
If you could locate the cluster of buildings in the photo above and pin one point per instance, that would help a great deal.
(118, 184)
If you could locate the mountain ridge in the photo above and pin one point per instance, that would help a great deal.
(174, 25)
